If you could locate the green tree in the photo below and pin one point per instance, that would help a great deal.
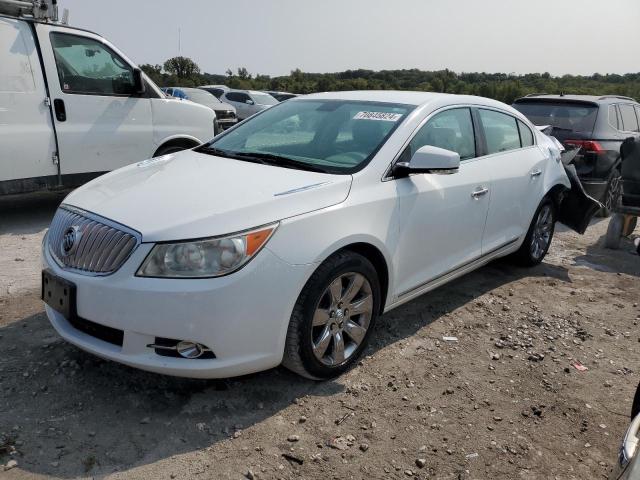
(181, 67)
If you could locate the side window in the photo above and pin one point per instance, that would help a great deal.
(451, 130)
(244, 97)
(501, 131)
(638, 113)
(16, 74)
(526, 135)
(629, 119)
(234, 97)
(613, 117)
(86, 66)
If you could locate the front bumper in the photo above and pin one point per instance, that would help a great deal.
(242, 317)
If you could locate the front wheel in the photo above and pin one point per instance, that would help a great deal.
(333, 317)
(538, 240)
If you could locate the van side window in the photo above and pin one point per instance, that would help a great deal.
(86, 66)
(501, 131)
(526, 136)
(451, 130)
(16, 74)
(629, 119)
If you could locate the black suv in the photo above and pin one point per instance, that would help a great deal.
(597, 125)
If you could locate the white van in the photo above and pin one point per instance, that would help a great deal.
(72, 106)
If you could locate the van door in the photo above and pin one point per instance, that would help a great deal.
(27, 139)
(101, 123)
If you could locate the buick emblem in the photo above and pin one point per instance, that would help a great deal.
(70, 240)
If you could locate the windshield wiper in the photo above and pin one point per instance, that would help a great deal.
(278, 160)
(225, 154)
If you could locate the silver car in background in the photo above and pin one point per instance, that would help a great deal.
(248, 102)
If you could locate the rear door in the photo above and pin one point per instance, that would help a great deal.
(27, 140)
(517, 172)
(101, 124)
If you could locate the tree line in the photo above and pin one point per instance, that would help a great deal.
(182, 71)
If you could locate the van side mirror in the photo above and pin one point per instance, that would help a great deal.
(249, 102)
(138, 81)
(429, 159)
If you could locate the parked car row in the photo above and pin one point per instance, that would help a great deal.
(225, 113)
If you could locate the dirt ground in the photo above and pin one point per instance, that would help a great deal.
(501, 402)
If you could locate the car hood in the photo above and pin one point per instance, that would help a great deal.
(224, 106)
(193, 195)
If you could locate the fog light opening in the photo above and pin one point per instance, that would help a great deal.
(188, 349)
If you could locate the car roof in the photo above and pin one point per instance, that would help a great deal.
(602, 99)
(405, 97)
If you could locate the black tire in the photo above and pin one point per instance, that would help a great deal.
(299, 355)
(527, 255)
(611, 194)
(635, 408)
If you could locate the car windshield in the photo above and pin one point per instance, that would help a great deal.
(564, 117)
(263, 99)
(330, 135)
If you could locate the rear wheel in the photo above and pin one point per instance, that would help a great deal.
(333, 317)
(538, 240)
(612, 193)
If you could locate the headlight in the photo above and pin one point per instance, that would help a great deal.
(211, 257)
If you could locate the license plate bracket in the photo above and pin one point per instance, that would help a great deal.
(59, 294)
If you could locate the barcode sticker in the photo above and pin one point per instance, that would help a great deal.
(382, 116)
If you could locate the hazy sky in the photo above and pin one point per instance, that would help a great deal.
(275, 36)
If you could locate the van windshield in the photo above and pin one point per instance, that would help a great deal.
(566, 118)
(337, 136)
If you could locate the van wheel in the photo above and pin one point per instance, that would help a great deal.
(333, 317)
(539, 236)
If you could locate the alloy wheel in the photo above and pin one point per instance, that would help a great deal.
(542, 232)
(341, 318)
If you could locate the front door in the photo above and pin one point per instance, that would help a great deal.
(101, 123)
(441, 217)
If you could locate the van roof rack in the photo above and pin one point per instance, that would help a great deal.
(621, 97)
(536, 94)
(41, 10)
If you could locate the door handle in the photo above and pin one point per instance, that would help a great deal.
(536, 173)
(60, 109)
(480, 192)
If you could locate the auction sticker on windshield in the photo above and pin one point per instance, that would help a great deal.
(384, 116)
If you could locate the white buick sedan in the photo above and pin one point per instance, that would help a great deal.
(283, 240)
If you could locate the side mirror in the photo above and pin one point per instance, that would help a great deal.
(429, 159)
(249, 102)
(138, 81)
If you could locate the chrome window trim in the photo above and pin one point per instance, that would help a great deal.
(99, 219)
(387, 176)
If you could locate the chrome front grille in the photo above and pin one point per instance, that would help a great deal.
(89, 244)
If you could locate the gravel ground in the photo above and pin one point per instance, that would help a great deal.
(504, 401)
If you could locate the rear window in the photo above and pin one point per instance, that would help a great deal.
(562, 116)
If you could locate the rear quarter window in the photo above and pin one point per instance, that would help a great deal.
(629, 119)
(613, 117)
(526, 135)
